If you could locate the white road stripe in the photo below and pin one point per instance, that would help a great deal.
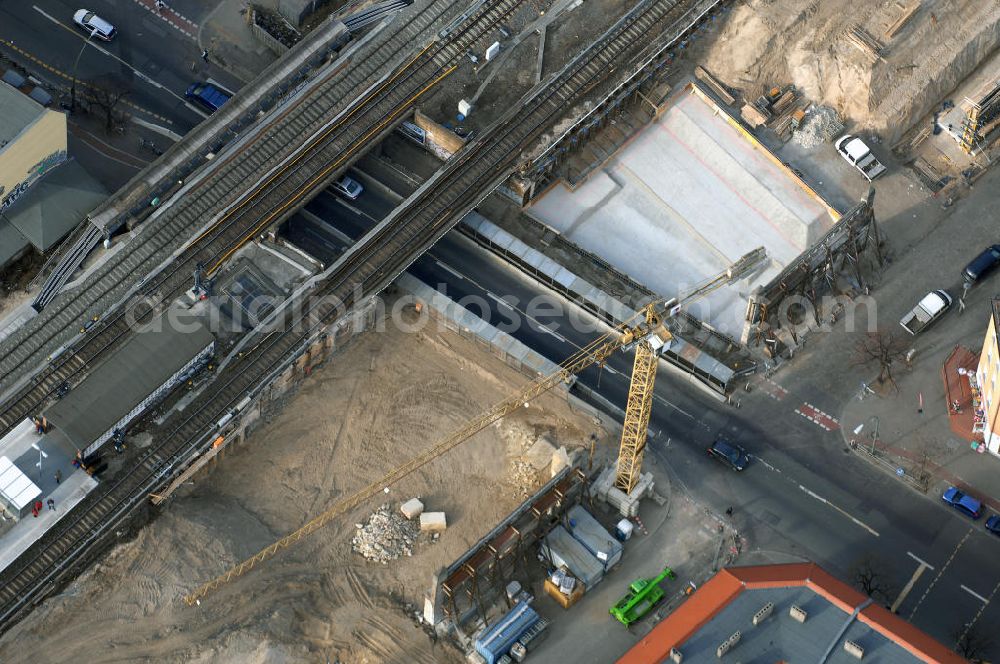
(829, 504)
(974, 594)
(499, 300)
(922, 562)
(448, 269)
(680, 410)
(766, 464)
(552, 332)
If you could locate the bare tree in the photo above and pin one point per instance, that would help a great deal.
(871, 574)
(925, 461)
(107, 92)
(883, 348)
(973, 642)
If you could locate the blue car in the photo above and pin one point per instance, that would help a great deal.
(993, 524)
(729, 453)
(963, 503)
(210, 97)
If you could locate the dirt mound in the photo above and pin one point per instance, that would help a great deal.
(764, 43)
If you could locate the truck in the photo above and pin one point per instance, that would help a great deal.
(859, 155)
(929, 309)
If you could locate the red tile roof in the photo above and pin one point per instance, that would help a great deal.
(726, 585)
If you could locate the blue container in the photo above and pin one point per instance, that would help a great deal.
(496, 641)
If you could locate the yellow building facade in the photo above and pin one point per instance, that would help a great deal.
(988, 383)
(32, 141)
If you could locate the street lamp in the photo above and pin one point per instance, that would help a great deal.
(72, 89)
(874, 433)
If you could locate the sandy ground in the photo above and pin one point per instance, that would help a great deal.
(388, 396)
(764, 43)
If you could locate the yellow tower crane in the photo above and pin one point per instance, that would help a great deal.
(645, 331)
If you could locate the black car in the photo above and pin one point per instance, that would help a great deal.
(983, 264)
(729, 453)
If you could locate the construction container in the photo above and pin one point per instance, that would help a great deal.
(591, 534)
(533, 637)
(564, 551)
(565, 601)
(495, 642)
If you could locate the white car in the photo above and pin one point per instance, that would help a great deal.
(347, 187)
(94, 25)
(859, 155)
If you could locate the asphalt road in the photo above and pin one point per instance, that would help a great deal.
(805, 497)
(152, 54)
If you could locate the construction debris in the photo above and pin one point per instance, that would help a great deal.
(821, 125)
(865, 43)
(433, 522)
(386, 536)
(412, 508)
(904, 17)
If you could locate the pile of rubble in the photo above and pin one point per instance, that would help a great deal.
(386, 536)
(821, 125)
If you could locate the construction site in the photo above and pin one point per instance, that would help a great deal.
(374, 446)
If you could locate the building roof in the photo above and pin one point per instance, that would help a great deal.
(16, 489)
(139, 367)
(995, 308)
(835, 611)
(54, 205)
(19, 112)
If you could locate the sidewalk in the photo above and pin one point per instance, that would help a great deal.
(924, 445)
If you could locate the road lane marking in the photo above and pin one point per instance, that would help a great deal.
(978, 615)
(552, 332)
(922, 562)
(166, 19)
(974, 593)
(450, 270)
(818, 417)
(823, 500)
(909, 586)
(948, 562)
(499, 300)
(766, 464)
(680, 410)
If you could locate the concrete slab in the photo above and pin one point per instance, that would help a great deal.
(684, 200)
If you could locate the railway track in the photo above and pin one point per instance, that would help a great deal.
(371, 264)
(60, 321)
(289, 183)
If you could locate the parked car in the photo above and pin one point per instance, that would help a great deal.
(963, 502)
(208, 95)
(993, 524)
(929, 309)
(982, 265)
(348, 188)
(94, 25)
(859, 155)
(729, 453)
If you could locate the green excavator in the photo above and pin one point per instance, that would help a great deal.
(643, 595)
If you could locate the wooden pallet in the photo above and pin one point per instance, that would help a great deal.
(865, 42)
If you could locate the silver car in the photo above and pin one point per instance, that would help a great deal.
(94, 25)
(348, 187)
